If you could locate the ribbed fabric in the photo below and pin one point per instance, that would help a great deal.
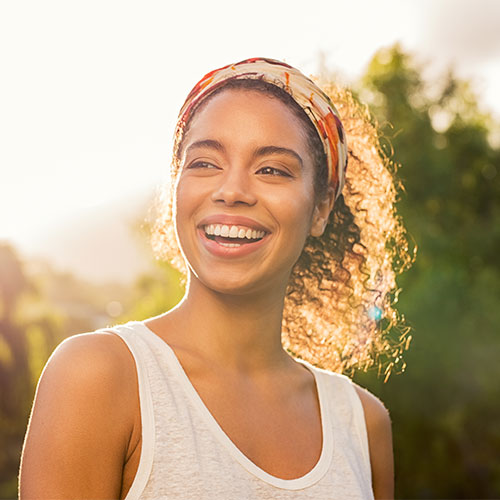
(185, 454)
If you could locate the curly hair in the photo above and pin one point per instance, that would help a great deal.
(339, 311)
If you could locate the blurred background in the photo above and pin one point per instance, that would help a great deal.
(89, 93)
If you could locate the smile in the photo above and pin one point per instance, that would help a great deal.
(230, 241)
(232, 236)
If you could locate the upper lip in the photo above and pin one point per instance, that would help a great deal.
(233, 220)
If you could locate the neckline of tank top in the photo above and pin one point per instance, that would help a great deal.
(302, 482)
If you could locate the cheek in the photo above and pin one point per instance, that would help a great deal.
(184, 204)
(187, 196)
(300, 223)
(294, 216)
(300, 204)
(180, 199)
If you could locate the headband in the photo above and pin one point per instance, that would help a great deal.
(317, 105)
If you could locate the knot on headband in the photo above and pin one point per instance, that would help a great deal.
(317, 105)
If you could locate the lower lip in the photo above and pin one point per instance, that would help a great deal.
(221, 251)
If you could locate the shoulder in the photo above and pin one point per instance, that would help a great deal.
(100, 345)
(91, 376)
(376, 414)
(379, 434)
(82, 420)
(378, 427)
(88, 358)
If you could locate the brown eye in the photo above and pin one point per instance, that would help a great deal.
(273, 171)
(202, 164)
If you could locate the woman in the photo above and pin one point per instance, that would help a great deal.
(203, 401)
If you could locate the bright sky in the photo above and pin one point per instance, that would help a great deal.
(89, 91)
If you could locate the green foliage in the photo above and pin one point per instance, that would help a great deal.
(37, 311)
(17, 381)
(445, 407)
(155, 293)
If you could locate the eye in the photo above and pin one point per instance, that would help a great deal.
(202, 164)
(273, 171)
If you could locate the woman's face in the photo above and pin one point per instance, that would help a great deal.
(245, 197)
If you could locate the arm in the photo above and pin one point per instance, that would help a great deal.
(81, 423)
(378, 426)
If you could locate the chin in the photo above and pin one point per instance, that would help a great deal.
(232, 283)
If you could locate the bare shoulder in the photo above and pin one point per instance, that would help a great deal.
(378, 426)
(82, 420)
(376, 414)
(90, 375)
(92, 363)
(88, 356)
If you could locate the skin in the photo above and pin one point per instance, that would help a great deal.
(259, 395)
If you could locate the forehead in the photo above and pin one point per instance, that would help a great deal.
(250, 115)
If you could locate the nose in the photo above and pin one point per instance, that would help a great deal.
(234, 189)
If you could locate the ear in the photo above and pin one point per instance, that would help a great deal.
(321, 213)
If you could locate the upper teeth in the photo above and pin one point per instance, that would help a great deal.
(233, 231)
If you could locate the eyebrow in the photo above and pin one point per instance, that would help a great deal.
(207, 143)
(262, 151)
(277, 150)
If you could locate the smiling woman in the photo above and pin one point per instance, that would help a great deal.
(286, 257)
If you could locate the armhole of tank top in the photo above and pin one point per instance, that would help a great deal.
(360, 424)
(147, 421)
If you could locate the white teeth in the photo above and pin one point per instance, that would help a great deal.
(232, 245)
(233, 231)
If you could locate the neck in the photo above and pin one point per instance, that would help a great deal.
(237, 331)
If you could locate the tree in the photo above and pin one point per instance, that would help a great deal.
(445, 406)
(15, 380)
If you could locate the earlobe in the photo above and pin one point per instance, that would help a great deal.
(318, 225)
(322, 213)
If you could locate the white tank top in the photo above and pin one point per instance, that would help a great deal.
(186, 455)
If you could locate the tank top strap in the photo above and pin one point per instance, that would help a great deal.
(347, 413)
(130, 335)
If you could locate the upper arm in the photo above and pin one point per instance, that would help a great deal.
(81, 421)
(378, 426)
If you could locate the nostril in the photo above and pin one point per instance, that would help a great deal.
(232, 198)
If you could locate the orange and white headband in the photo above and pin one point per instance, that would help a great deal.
(304, 92)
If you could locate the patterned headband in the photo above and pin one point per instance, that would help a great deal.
(304, 92)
